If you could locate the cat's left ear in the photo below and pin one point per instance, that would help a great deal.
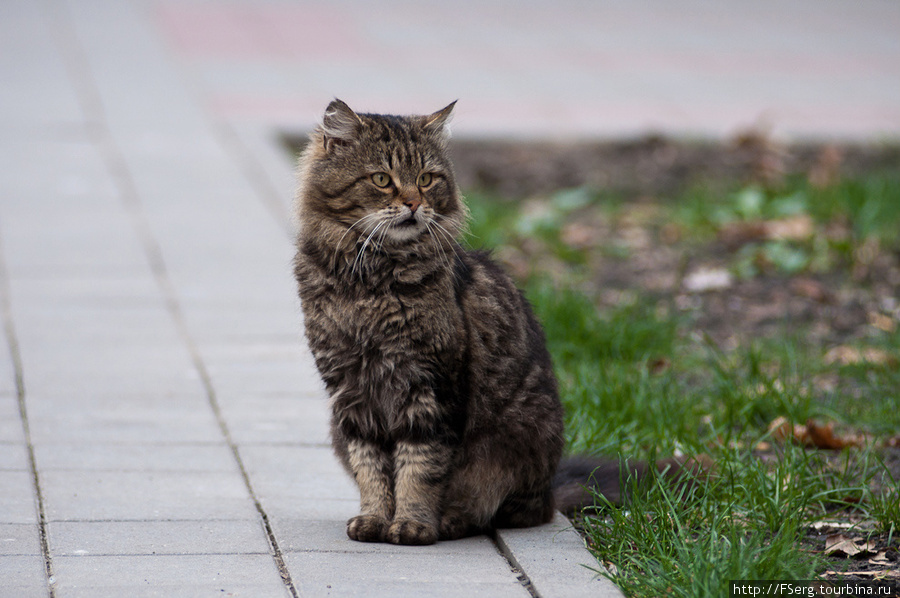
(437, 122)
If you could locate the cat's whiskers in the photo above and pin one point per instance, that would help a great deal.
(434, 239)
(460, 228)
(360, 255)
(338, 247)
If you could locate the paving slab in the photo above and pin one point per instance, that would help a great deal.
(413, 573)
(184, 456)
(17, 501)
(23, 576)
(172, 537)
(144, 495)
(553, 557)
(17, 539)
(10, 426)
(167, 576)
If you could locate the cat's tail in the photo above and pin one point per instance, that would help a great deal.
(579, 478)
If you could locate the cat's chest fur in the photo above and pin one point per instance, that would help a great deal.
(404, 322)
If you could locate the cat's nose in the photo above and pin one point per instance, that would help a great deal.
(412, 203)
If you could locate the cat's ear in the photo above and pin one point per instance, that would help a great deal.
(340, 124)
(437, 122)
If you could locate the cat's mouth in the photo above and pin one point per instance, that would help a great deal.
(406, 228)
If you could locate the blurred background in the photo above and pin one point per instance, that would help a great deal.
(801, 68)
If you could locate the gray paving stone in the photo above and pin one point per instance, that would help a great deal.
(215, 322)
(10, 422)
(283, 474)
(338, 510)
(60, 171)
(261, 146)
(100, 240)
(275, 418)
(168, 576)
(18, 539)
(23, 577)
(556, 561)
(13, 456)
(352, 586)
(385, 572)
(7, 375)
(93, 538)
(36, 85)
(259, 368)
(143, 419)
(17, 503)
(144, 495)
(195, 457)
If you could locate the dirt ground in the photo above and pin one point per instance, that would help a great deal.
(833, 307)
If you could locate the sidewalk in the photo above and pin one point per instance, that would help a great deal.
(162, 427)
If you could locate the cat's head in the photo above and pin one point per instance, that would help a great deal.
(380, 177)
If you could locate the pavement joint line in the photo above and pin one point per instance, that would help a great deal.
(514, 565)
(248, 163)
(129, 195)
(257, 176)
(86, 89)
(16, 357)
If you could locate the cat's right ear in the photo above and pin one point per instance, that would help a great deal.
(340, 125)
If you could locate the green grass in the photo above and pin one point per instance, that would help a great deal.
(637, 384)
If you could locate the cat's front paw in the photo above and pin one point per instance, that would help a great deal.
(367, 528)
(412, 532)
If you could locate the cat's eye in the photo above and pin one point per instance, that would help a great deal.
(381, 179)
(424, 179)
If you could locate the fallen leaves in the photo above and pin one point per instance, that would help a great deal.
(846, 355)
(796, 228)
(813, 435)
(848, 546)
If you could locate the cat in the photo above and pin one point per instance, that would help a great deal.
(444, 403)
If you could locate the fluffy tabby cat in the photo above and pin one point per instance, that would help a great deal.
(444, 402)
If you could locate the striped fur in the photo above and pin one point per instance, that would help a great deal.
(444, 403)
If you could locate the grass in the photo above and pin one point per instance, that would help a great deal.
(636, 383)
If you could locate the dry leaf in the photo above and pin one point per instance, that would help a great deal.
(795, 228)
(781, 429)
(880, 559)
(735, 235)
(879, 574)
(813, 434)
(845, 355)
(809, 288)
(822, 526)
(839, 543)
(882, 321)
(823, 436)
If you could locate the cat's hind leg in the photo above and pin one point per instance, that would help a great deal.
(525, 509)
(473, 496)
